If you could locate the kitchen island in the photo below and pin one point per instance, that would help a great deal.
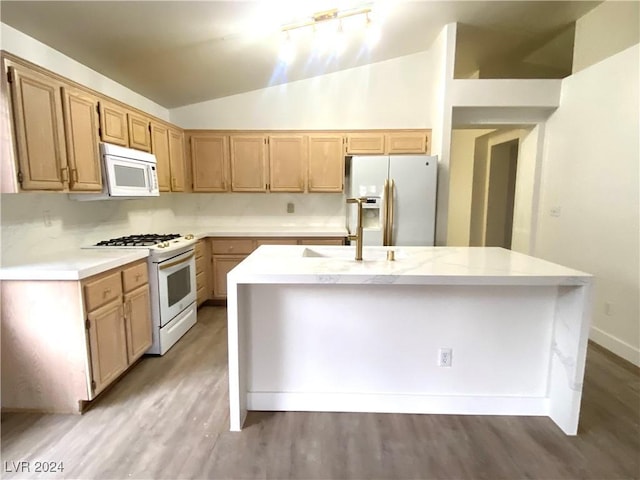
(439, 330)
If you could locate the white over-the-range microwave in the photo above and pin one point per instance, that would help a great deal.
(126, 173)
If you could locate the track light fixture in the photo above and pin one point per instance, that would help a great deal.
(329, 30)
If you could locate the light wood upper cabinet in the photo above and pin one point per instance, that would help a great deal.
(287, 162)
(326, 163)
(408, 142)
(160, 144)
(139, 132)
(210, 163)
(176, 159)
(137, 316)
(82, 141)
(249, 163)
(113, 124)
(107, 339)
(365, 143)
(39, 130)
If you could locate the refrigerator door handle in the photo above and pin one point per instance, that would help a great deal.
(392, 207)
(385, 210)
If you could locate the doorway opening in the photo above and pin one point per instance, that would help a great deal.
(501, 189)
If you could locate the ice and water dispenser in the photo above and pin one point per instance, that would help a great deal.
(371, 213)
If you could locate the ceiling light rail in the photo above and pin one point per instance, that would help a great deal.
(328, 29)
(327, 15)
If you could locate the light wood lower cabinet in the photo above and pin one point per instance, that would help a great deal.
(137, 322)
(222, 265)
(108, 344)
(63, 342)
(203, 269)
(228, 252)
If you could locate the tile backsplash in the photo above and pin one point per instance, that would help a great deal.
(43, 223)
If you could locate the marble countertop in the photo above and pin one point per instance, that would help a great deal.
(412, 266)
(266, 231)
(77, 263)
(72, 265)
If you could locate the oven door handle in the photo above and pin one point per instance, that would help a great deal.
(177, 262)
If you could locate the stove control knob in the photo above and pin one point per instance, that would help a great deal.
(189, 236)
(161, 245)
(166, 244)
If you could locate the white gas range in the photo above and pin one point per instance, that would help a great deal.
(172, 283)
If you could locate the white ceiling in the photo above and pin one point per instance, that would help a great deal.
(181, 52)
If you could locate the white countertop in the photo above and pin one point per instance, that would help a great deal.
(72, 265)
(77, 264)
(413, 266)
(266, 231)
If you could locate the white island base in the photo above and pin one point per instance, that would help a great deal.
(313, 330)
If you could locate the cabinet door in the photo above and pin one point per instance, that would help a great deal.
(137, 322)
(222, 265)
(113, 124)
(326, 163)
(139, 132)
(39, 130)
(365, 143)
(176, 158)
(160, 143)
(249, 163)
(407, 142)
(210, 163)
(81, 131)
(287, 163)
(108, 344)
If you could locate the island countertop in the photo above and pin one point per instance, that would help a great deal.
(412, 266)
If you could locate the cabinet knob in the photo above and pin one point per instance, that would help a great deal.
(138, 276)
(106, 292)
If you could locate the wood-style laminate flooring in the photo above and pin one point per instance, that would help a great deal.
(168, 418)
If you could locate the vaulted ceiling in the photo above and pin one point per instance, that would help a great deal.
(181, 52)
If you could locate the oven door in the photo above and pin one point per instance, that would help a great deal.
(177, 285)
(130, 178)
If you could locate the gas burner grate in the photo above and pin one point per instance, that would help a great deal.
(141, 240)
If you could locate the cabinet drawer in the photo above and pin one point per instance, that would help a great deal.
(201, 280)
(232, 246)
(199, 249)
(134, 276)
(201, 265)
(277, 241)
(322, 241)
(102, 291)
(201, 295)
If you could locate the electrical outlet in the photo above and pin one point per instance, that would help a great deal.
(555, 211)
(291, 207)
(444, 357)
(608, 308)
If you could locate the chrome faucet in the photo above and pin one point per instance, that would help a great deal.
(358, 236)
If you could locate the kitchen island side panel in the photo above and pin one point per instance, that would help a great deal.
(384, 339)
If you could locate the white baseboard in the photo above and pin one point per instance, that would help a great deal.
(397, 403)
(615, 345)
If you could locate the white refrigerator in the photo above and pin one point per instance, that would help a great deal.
(400, 191)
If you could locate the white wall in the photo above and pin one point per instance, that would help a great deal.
(609, 28)
(390, 94)
(44, 223)
(28, 48)
(440, 105)
(590, 200)
(461, 185)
